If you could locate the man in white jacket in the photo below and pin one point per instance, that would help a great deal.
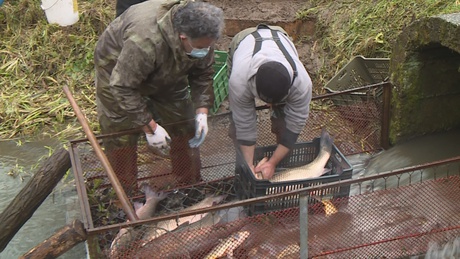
(263, 63)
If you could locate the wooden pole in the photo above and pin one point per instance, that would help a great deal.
(126, 205)
(59, 243)
(32, 195)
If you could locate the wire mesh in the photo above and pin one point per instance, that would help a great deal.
(104, 218)
(394, 223)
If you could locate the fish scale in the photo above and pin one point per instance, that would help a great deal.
(164, 227)
(314, 169)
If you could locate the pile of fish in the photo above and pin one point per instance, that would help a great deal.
(140, 238)
(218, 234)
(237, 239)
(274, 235)
(225, 233)
(143, 211)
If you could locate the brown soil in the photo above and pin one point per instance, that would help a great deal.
(270, 10)
(275, 12)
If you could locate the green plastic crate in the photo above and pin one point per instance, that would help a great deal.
(220, 79)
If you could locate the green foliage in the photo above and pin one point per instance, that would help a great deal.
(346, 28)
(37, 59)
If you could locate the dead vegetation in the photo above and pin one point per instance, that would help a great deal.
(37, 59)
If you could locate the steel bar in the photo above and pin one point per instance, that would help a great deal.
(303, 218)
(126, 205)
(385, 130)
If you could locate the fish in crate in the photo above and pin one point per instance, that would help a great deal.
(307, 164)
(314, 169)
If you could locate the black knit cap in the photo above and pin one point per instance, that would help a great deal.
(272, 82)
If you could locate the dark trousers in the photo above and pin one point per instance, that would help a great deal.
(122, 5)
(177, 118)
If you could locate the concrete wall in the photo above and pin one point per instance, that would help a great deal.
(425, 71)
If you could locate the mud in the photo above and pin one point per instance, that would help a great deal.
(275, 12)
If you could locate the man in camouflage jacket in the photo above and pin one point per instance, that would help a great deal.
(147, 76)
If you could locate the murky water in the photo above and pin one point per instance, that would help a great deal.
(449, 250)
(60, 208)
(425, 149)
(422, 150)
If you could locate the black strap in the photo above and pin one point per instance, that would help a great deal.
(277, 40)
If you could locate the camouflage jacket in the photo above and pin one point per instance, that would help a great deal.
(140, 54)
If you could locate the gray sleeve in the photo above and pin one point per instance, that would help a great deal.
(298, 103)
(243, 110)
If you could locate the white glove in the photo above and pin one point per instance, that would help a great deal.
(201, 129)
(159, 141)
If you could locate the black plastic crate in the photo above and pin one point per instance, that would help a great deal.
(247, 186)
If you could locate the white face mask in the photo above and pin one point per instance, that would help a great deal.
(197, 53)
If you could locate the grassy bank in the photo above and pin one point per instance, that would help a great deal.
(347, 28)
(37, 59)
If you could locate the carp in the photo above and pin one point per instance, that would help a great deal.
(228, 245)
(166, 226)
(187, 242)
(143, 211)
(314, 169)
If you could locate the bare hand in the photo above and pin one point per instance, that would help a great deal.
(267, 169)
(258, 174)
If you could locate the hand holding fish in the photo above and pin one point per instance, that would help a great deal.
(258, 174)
(314, 169)
(267, 166)
(265, 169)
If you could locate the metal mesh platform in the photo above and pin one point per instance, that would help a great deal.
(104, 218)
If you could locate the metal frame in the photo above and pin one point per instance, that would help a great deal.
(94, 231)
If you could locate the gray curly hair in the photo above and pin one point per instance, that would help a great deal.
(198, 20)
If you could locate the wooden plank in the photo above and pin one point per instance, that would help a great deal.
(32, 195)
(60, 242)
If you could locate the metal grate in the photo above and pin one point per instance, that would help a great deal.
(103, 217)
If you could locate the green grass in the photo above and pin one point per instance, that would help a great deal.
(347, 28)
(37, 59)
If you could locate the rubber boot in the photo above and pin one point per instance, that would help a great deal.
(186, 162)
(124, 164)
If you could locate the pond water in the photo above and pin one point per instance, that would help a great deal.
(426, 149)
(61, 207)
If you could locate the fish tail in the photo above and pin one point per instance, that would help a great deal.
(137, 206)
(151, 194)
(326, 141)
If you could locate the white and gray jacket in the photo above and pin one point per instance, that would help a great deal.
(242, 88)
